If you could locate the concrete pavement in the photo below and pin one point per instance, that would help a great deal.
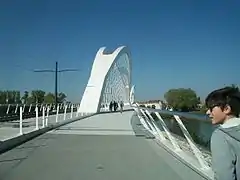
(102, 147)
(102, 124)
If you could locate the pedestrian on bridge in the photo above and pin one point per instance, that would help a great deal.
(115, 106)
(121, 106)
(224, 109)
(111, 106)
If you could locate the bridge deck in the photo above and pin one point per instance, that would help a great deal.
(101, 147)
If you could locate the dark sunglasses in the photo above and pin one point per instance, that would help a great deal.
(212, 106)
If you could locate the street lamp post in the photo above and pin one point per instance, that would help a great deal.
(56, 83)
(56, 71)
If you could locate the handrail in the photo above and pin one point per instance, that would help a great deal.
(199, 117)
(42, 116)
(163, 135)
(32, 105)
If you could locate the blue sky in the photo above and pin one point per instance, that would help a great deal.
(173, 43)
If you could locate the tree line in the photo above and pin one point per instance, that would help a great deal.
(185, 99)
(35, 96)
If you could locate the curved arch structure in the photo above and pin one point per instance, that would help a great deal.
(110, 79)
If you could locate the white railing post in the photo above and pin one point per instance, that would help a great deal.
(30, 107)
(8, 109)
(41, 107)
(16, 108)
(36, 109)
(71, 111)
(194, 148)
(24, 107)
(152, 129)
(160, 134)
(171, 138)
(46, 121)
(142, 120)
(43, 116)
(20, 121)
(57, 113)
(65, 112)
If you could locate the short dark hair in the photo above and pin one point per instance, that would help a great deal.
(225, 96)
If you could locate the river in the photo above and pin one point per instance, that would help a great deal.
(200, 130)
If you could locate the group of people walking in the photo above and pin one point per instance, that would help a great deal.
(113, 106)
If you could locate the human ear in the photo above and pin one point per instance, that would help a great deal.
(227, 109)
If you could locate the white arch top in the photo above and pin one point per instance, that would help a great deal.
(102, 65)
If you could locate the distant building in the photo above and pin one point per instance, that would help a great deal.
(156, 104)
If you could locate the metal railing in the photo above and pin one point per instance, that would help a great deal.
(41, 116)
(185, 148)
(9, 112)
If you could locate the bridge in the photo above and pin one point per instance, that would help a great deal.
(88, 141)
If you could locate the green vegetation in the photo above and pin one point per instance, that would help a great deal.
(35, 96)
(182, 99)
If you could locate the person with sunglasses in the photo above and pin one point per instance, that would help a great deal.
(224, 108)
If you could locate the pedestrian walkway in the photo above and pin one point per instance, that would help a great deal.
(101, 147)
(102, 124)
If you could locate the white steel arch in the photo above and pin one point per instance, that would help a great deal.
(110, 79)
